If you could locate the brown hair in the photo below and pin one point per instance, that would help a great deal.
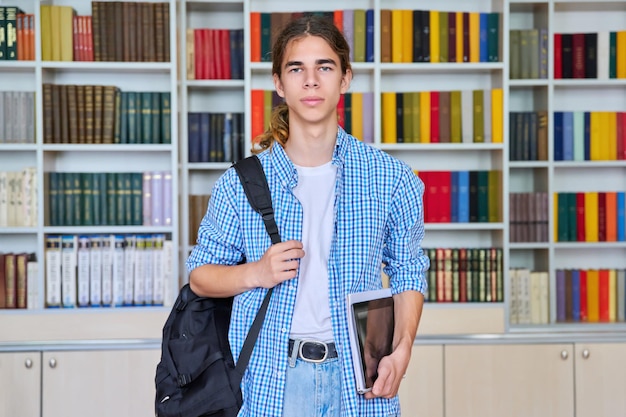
(307, 25)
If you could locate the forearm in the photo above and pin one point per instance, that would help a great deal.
(408, 307)
(222, 280)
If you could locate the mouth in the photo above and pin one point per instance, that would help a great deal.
(311, 101)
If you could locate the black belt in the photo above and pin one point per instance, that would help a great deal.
(313, 351)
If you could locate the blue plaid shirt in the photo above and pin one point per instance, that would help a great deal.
(378, 219)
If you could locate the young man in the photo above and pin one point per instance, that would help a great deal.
(343, 208)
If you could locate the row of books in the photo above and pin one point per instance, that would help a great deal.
(17, 271)
(528, 53)
(528, 217)
(215, 137)
(17, 117)
(600, 55)
(530, 296)
(214, 54)
(357, 25)
(18, 198)
(356, 114)
(107, 270)
(109, 198)
(468, 116)
(462, 196)
(589, 136)
(17, 34)
(528, 136)
(103, 114)
(116, 31)
(439, 36)
(591, 295)
(198, 204)
(465, 275)
(590, 216)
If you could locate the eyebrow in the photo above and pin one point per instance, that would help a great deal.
(317, 62)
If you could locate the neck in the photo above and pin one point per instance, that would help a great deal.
(311, 147)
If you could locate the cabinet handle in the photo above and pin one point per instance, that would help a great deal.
(564, 354)
(28, 363)
(586, 354)
(52, 363)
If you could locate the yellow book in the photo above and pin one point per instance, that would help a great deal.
(389, 117)
(474, 34)
(415, 102)
(611, 136)
(267, 108)
(621, 54)
(434, 36)
(603, 137)
(497, 115)
(407, 117)
(46, 35)
(593, 296)
(424, 116)
(407, 35)
(456, 117)
(357, 115)
(55, 33)
(66, 25)
(595, 141)
(612, 295)
(396, 36)
(591, 216)
(459, 36)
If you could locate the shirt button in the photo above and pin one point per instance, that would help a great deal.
(284, 330)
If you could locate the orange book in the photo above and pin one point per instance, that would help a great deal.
(424, 116)
(603, 295)
(257, 104)
(338, 19)
(621, 53)
(593, 296)
(255, 36)
(390, 132)
(497, 116)
(610, 216)
(591, 216)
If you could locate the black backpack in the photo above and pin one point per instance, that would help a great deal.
(197, 375)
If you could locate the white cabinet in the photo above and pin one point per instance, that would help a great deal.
(421, 391)
(20, 384)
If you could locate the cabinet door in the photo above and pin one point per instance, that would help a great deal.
(421, 391)
(99, 383)
(600, 382)
(20, 382)
(509, 380)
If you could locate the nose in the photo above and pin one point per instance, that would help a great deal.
(311, 80)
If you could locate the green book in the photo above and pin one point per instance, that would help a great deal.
(101, 203)
(166, 117)
(443, 36)
(96, 189)
(562, 219)
(494, 196)
(415, 101)
(347, 111)
(123, 117)
(571, 217)
(514, 54)
(117, 114)
(120, 206)
(266, 37)
(68, 213)
(3, 31)
(54, 214)
(136, 189)
(133, 127)
(10, 32)
(146, 117)
(156, 117)
(455, 117)
(111, 199)
(479, 119)
(359, 35)
(613, 55)
(127, 198)
(483, 196)
(88, 190)
(493, 37)
(77, 198)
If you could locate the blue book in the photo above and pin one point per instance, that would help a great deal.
(193, 137)
(568, 136)
(205, 137)
(484, 32)
(560, 295)
(463, 197)
(621, 209)
(587, 136)
(369, 35)
(575, 294)
(558, 136)
(454, 198)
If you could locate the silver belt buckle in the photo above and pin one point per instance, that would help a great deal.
(300, 353)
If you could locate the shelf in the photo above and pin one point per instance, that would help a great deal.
(133, 67)
(97, 147)
(442, 67)
(439, 146)
(464, 226)
(588, 245)
(590, 164)
(206, 84)
(18, 230)
(107, 229)
(529, 83)
(589, 83)
(17, 66)
(18, 147)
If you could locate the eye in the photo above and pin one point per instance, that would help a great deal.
(326, 68)
(295, 69)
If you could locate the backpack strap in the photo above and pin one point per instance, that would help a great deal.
(254, 183)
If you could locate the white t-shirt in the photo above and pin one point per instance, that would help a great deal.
(316, 193)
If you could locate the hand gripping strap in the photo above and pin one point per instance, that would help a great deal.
(254, 183)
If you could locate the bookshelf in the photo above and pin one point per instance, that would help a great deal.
(156, 73)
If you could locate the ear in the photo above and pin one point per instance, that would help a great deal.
(278, 85)
(345, 81)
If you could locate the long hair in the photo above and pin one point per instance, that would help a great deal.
(307, 25)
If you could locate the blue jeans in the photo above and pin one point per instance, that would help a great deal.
(313, 389)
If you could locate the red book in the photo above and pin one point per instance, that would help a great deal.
(601, 216)
(578, 55)
(257, 106)
(338, 19)
(620, 126)
(214, 55)
(198, 47)
(558, 61)
(603, 293)
(611, 216)
(580, 217)
(444, 208)
(75, 38)
(434, 117)
(430, 203)
(462, 275)
(255, 36)
(223, 51)
(583, 294)
(341, 110)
